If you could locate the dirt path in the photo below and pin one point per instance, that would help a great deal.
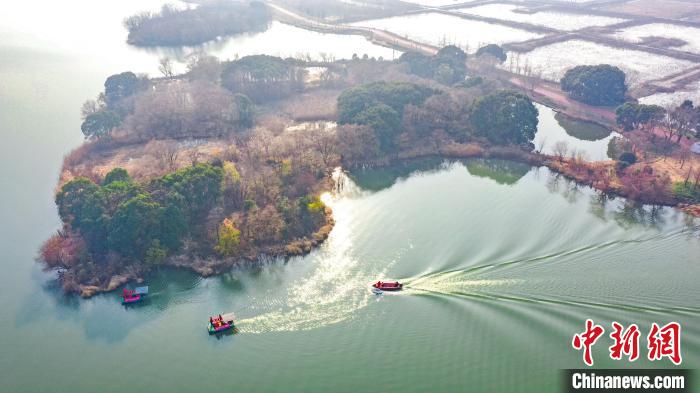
(550, 94)
(378, 36)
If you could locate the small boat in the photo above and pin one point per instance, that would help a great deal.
(131, 296)
(220, 323)
(387, 286)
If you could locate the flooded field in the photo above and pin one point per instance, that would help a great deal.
(287, 41)
(690, 92)
(434, 3)
(671, 9)
(689, 37)
(555, 20)
(438, 29)
(552, 61)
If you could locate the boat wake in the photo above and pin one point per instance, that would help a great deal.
(332, 293)
(336, 287)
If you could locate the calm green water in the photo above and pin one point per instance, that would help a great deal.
(502, 262)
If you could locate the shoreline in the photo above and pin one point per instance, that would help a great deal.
(207, 267)
(580, 172)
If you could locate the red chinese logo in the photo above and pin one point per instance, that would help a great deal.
(586, 340)
(665, 342)
(626, 342)
(662, 342)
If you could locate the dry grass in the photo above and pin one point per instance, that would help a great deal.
(142, 161)
(316, 105)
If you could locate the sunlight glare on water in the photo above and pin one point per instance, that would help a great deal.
(336, 288)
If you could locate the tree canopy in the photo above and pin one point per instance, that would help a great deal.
(380, 105)
(602, 85)
(100, 117)
(138, 221)
(492, 50)
(448, 66)
(263, 77)
(505, 117)
(631, 116)
(120, 86)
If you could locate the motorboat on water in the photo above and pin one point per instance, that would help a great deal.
(136, 295)
(387, 286)
(221, 323)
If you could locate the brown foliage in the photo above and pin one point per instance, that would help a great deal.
(181, 109)
(62, 250)
(264, 225)
(357, 144)
(642, 183)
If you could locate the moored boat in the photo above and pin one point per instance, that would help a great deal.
(388, 286)
(221, 323)
(130, 296)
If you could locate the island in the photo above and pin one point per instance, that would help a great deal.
(231, 161)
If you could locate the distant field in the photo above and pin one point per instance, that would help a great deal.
(552, 61)
(434, 3)
(555, 20)
(674, 9)
(691, 92)
(690, 35)
(438, 29)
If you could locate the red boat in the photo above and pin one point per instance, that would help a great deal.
(130, 296)
(388, 286)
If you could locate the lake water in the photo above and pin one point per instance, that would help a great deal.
(587, 138)
(502, 262)
(286, 41)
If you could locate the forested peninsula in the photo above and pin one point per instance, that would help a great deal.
(195, 25)
(229, 161)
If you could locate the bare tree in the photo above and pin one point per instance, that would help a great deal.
(166, 153)
(326, 143)
(541, 144)
(194, 155)
(560, 149)
(166, 67)
(89, 107)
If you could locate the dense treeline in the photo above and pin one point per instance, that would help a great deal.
(602, 85)
(263, 77)
(396, 111)
(225, 208)
(448, 66)
(192, 26)
(677, 123)
(140, 222)
(631, 116)
(380, 105)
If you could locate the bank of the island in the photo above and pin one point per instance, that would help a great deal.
(227, 163)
